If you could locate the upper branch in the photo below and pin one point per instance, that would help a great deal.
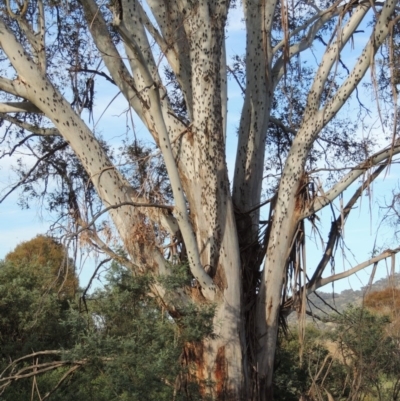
(321, 201)
(337, 226)
(381, 30)
(317, 22)
(110, 54)
(330, 57)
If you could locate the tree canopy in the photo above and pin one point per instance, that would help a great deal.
(47, 259)
(171, 202)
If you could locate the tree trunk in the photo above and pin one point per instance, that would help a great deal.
(220, 231)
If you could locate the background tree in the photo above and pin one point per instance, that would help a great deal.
(48, 260)
(53, 55)
(34, 307)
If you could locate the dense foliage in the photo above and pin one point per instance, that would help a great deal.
(355, 357)
(120, 343)
(117, 343)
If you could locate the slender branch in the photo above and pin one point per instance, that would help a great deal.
(334, 234)
(324, 281)
(21, 12)
(38, 131)
(70, 371)
(103, 262)
(88, 70)
(43, 367)
(108, 251)
(137, 204)
(29, 356)
(280, 124)
(236, 79)
(334, 8)
(26, 176)
(321, 201)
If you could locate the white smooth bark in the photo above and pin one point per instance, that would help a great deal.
(249, 164)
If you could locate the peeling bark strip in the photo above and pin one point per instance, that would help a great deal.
(217, 232)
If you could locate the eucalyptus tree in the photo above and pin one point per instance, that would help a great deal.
(168, 60)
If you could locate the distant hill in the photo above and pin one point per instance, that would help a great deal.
(325, 303)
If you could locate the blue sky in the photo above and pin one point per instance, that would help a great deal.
(360, 231)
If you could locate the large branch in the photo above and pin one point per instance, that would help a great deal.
(321, 201)
(158, 123)
(19, 107)
(111, 57)
(250, 156)
(324, 281)
(173, 25)
(383, 27)
(121, 75)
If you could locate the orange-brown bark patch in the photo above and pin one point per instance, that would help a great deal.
(221, 374)
(194, 361)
